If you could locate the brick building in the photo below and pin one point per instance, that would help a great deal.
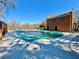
(3, 29)
(12, 26)
(64, 22)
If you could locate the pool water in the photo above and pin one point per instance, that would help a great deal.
(35, 35)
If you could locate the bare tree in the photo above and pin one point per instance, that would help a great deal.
(5, 5)
(43, 25)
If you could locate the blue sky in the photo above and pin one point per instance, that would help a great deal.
(36, 11)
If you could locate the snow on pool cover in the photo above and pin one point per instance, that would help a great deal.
(36, 35)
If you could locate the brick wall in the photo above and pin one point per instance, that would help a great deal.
(61, 24)
(20, 27)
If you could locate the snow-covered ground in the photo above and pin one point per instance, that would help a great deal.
(12, 47)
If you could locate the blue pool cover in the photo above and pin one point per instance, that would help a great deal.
(35, 35)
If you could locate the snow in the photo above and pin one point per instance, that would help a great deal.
(44, 41)
(61, 40)
(58, 48)
(4, 53)
(32, 47)
(21, 42)
(65, 47)
(66, 41)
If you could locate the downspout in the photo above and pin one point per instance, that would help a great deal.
(70, 21)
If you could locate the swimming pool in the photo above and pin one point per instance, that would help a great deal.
(57, 48)
(35, 35)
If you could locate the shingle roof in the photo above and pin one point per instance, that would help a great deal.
(3, 22)
(59, 15)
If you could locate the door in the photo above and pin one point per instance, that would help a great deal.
(55, 28)
(0, 30)
(47, 27)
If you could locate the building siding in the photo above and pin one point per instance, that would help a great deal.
(3, 29)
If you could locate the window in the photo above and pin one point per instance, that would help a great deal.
(53, 19)
(63, 19)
